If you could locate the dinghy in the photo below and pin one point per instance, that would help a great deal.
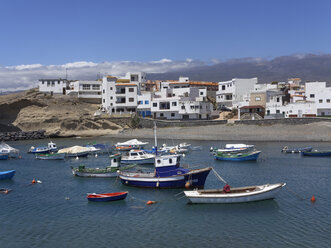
(106, 196)
(7, 174)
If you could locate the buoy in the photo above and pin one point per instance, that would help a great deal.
(67, 198)
(312, 199)
(38, 181)
(96, 155)
(151, 202)
(33, 181)
(77, 158)
(157, 184)
(187, 185)
(184, 155)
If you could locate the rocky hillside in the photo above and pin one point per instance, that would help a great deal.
(58, 115)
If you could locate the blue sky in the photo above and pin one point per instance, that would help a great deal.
(59, 32)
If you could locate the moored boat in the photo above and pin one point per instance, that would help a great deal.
(236, 195)
(109, 171)
(51, 147)
(129, 145)
(4, 191)
(317, 153)
(233, 148)
(4, 156)
(167, 174)
(137, 157)
(104, 197)
(50, 156)
(296, 150)
(242, 156)
(7, 174)
(75, 151)
(12, 152)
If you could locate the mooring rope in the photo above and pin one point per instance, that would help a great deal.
(218, 176)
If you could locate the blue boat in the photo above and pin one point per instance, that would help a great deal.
(51, 147)
(296, 150)
(107, 196)
(167, 174)
(7, 174)
(249, 156)
(317, 153)
(4, 156)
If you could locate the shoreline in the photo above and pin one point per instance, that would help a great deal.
(313, 132)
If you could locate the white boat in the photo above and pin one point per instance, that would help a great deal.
(138, 157)
(236, 195)
(184, 145)
(234, 148)
(172, 149)
(11, 151)
(75, 151)
(51, 147)
(129, 145)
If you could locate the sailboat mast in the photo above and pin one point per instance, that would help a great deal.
(155, 141)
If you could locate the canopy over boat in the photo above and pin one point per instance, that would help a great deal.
(5, 148)
(132, 142)
(74, 150)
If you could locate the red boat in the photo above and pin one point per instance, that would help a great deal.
(107, 196)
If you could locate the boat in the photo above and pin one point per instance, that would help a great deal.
(107, 196)
(317, 153)
(51, 147)
(4, 156)
(237, 156)
(50, 156)
(109, 171)
(184, 145)
(12, 152)
(172, 149)
(75, 151)
(4, 191)
(137, 157)
(234, 148)
(99, 148)
(7, 174)
(129, 145)
(296, 150)
(167, 174)
(236, 195)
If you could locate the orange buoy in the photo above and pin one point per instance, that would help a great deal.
(312, 199)
(151, 202)
(33, 181)
(187, 185)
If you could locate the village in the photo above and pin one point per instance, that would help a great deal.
(238, 98)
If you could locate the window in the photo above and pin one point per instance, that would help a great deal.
(268, 112)
(183, 107)
(103, 91)
(277, 111)
(257, 98)
(161, 115)
(312, 95)
(103, 100)
(86, 87)
(146, 102)
(174, 103)
(223, 87)
(170, 161)
(328, 100)
(131, 89)
(320, 100)
(95, 87)
(154, 104)
(201, 93)
(111, 88)
(111, 104)
(42, 82)
(131, 99)
(278, 99)
(140, 102)
(172, 114)
(58, 82)
(111, 98)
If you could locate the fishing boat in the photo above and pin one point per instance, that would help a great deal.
(75, 151)
(129, 145)
(237, 156)
(296, 150)
(236, 195)
(317, 153)
(51, 147)
(109, 171)
(138, 157)
(4, 156)
(167, 174)
(12, 152)
(50, 156)
(7, 174)
(106, 196)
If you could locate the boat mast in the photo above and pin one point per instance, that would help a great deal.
(155, 141)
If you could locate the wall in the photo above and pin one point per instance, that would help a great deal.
(287, 121)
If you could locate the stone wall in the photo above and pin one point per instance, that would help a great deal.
(285, 121)
(20, 135)
(149, 123)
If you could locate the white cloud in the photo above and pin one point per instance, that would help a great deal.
(22, 77)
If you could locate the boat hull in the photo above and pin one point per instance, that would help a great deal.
(107, 197)
(317, 154)
(268, 193)
(88, 174)
(138, 161)
(4, 156)
(251, 157)
(59, 156)
(193, 179)
(297, 150)
(7, 174)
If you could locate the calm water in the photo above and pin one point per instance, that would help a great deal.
(41, 216)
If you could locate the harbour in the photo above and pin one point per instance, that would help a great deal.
(57, 213)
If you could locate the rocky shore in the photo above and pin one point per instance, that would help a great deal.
(20, 135)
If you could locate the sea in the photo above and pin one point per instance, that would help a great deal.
(56, 213)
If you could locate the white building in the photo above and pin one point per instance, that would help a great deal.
(231, 93)
(321, 95)
(88, 90)
(56, 86)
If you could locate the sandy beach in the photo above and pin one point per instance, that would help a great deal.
(320, 131)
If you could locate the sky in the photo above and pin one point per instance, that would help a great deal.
(151, 35)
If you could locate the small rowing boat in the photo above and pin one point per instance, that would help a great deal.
(296, 150)
(7, 174)
(107, 196)
(317, 153)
